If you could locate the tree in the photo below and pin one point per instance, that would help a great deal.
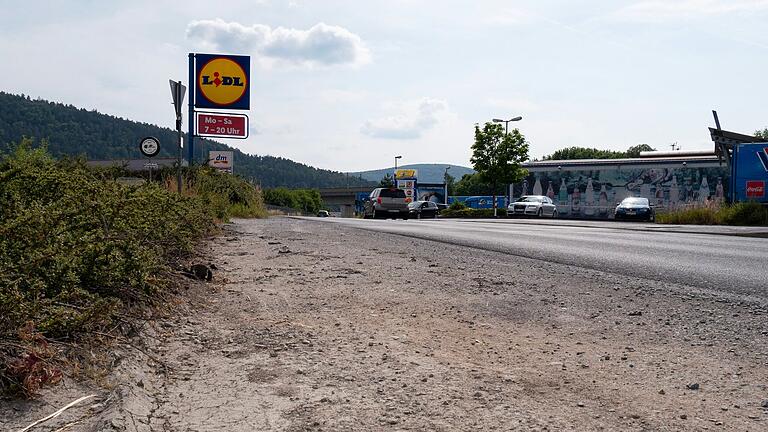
(634, 151)
(762, 134)
(386, 181)
(471, 184)
(571, 153)
(496, 156)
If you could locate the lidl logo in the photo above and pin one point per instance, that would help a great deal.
(222, 81)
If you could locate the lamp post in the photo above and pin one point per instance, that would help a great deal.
(394, 177)
(506, 122)
(445, 179)
(506, 132)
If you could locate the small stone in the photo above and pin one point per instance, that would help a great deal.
(662, 392)
(683, 416)
(693, 386)
(635, 313)
(764, 404)
(580, 404)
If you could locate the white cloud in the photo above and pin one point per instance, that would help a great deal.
(413, 119)
(321, 44)
(656, 10)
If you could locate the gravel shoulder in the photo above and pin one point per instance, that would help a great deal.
(314, 326)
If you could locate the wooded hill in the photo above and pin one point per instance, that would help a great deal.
(74, 132)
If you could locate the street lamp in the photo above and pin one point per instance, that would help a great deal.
(445, 179)
(394, 177)
(506, 122)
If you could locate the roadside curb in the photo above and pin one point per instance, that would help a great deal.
(757, 233)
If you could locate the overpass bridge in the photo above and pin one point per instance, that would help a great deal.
(343, 199)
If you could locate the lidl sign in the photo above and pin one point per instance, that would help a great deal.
(222, 81)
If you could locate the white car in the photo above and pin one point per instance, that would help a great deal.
(533, 205)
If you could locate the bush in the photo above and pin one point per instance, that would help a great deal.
(743, 213)
(305, 200)
(469, 213)
(457, 205)
(77, 247)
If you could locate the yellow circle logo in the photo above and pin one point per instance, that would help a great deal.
(222, 81)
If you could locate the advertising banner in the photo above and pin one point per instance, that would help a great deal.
(594, 193)
(222, 160)
(222, 81)
(436, 194)
(406, 174)
(751, 172)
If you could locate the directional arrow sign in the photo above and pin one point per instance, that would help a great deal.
(177, 93)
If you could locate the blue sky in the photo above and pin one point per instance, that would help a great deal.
(346, 85)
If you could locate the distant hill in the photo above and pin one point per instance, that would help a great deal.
(428, 173)
(72, 131)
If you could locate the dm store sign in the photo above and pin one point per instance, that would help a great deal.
(222, 81)
(221, 160)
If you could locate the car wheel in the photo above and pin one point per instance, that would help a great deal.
(540, 213)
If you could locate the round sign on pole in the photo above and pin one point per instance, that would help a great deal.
(149, 146)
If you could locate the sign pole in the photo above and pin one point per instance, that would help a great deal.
(191, 130)
(177, 93)
(179, 97)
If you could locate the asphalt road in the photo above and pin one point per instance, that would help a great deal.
(725, 264)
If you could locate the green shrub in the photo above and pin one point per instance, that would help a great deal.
(469, 213)
(76, 246)
(743, 213)
(306, 200)
(457, 205)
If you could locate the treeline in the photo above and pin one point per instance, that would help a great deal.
(571, 153)
(305, 200)
(71, 131)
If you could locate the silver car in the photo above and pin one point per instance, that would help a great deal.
(386, 203)
(533, 205)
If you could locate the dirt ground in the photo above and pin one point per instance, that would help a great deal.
(311, 326)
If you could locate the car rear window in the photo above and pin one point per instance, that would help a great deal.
(392, 193)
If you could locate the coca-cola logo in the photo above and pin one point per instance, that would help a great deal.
(755, 188)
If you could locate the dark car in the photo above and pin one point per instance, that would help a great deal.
(423, 209)
(635, 208)
(386, 202)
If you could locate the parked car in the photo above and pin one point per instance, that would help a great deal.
(533, 205)
(423, 209)
(635, 208)
(386, 202)
(323, 213)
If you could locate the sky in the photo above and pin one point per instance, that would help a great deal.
(347, 85)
